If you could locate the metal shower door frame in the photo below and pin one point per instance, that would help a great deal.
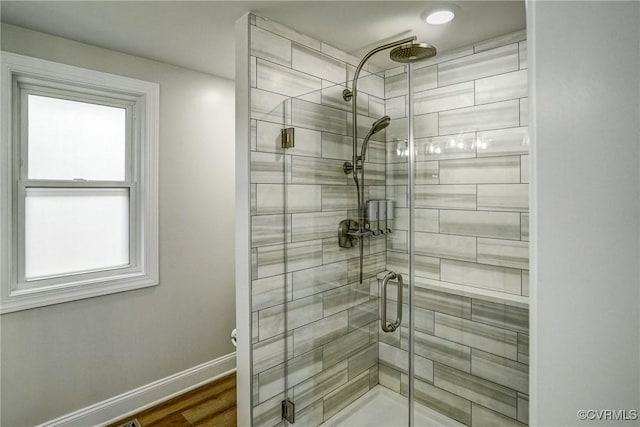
(411, 245)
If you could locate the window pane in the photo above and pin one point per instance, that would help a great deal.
(69, 139)
(75, 230)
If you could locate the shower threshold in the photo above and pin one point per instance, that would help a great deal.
(381, 407)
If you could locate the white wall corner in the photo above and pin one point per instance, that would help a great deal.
(141, 398)
(533, 217)
(243, 225)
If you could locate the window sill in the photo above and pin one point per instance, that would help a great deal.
(24, 299)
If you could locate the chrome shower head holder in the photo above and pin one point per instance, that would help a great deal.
(347, 95)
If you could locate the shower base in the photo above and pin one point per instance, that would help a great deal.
(383, 407)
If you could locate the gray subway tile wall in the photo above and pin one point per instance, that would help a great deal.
(502, 142)
(485, 63)
(486, 417)
(500, 225)
(501, 87)
(270, 260)
(316, 334)
(444, 98)
(497, 115)
(442, 401)
(460, 146)
(523, 407)
(480, 171)
(503, 197)
(507, 280)
(284, 80)
(443, 351)
(505, 39)
(298, 197)
(499, 370)
(486, 393)
(445, 196)
(477, 335)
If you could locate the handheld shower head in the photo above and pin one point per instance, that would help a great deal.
(376, 127)
(380, 124)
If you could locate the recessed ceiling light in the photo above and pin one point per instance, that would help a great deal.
(439, 17)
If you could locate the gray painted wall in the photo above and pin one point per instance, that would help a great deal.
(586, 222)
(61, 358)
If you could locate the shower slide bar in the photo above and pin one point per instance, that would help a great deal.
(391, 327)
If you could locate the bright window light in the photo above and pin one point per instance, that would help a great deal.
(440, 17)
(75, 140)
(72, 230)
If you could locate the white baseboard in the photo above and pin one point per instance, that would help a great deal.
(131, 402)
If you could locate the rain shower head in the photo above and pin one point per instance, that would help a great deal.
(412, 52)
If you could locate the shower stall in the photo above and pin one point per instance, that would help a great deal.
(386, 232)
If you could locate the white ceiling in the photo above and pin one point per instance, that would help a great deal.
(200, 34)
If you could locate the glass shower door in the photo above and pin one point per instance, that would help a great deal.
(333, 315)
(396, 363)
(315, 347)
(469, 232)
(271, 279)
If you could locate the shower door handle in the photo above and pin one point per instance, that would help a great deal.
(390, 327)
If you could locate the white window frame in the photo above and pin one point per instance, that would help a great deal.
(22, 75)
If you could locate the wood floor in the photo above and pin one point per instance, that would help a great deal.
(213, 404)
